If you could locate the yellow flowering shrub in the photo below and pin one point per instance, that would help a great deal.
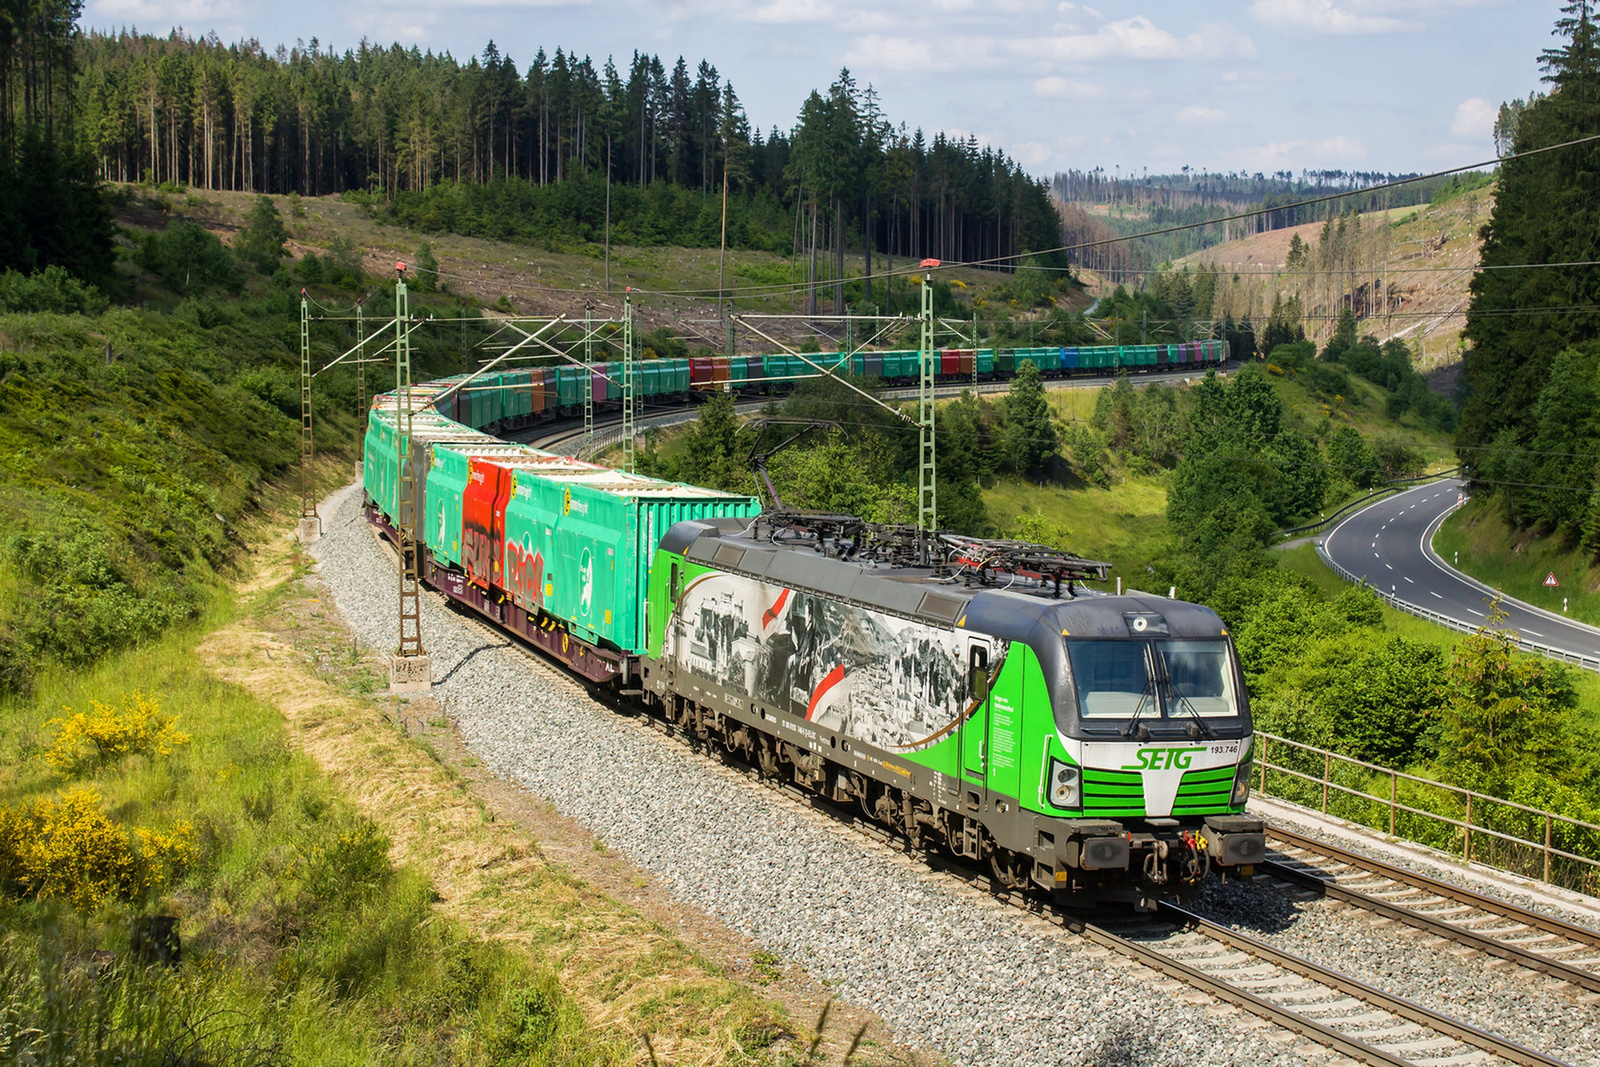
(69, 849)
(105, 734)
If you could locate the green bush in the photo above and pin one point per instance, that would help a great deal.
(50, 289)
(188, 258)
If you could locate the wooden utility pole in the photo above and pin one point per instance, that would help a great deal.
(608, 212)
(722, 256)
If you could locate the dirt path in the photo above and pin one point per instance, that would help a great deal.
(506, 865)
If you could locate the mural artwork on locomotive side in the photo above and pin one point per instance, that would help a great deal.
(880, 679)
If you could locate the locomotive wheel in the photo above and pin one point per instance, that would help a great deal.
(767, 760)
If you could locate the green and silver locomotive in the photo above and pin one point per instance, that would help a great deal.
(966, 694)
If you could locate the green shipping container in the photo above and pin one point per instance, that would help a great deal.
(985, 361)
(570, 383)
(380, 472)
(579, 545)
(678, 382)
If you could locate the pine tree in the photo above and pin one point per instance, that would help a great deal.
(1030, 435)
(1547, 211)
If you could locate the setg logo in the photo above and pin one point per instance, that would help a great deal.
(1163, 759)
(566, 501)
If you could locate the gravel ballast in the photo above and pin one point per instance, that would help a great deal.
(943, 965)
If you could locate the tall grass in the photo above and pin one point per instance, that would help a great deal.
(301, 941)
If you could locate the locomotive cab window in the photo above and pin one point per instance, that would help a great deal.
(1166, 678)
(672, 585)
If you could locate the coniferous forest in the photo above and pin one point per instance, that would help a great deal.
(494, 149)
(1528, 431)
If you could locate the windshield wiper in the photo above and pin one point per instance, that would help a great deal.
(1147, 695)
(1202, 727)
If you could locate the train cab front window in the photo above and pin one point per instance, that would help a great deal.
(1164, 678)
(1199, 676)
(1113, 678)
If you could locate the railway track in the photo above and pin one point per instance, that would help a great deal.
(1332, 1009)
(1494, 927)
(562, 432)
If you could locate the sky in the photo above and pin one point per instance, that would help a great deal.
(1253, 85)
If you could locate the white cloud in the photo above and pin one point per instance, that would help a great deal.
(1313, 17)
(201, 14)
(1202, 116)
(876, 52)
(1332, 151)
(1139, 38)
(1474, 118)
(1056, 87)
(1031, 153)
(785, 12)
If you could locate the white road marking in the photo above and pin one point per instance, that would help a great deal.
(1408, 579)
(1476, 612)
(1389, 565)
(1376, 556)
(1535, 633)
(1435, 595)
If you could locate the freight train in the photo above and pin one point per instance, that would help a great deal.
(969, 694)
(534, 394)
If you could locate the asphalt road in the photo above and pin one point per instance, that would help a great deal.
(1390, 545)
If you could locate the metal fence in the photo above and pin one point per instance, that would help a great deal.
(1386, 489)
(1588, 663)
(1480, 828)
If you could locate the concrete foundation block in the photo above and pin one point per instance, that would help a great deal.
(410, 674)
(308, 530)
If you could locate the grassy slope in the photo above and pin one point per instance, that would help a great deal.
(543, 282)
(1126, 523)
(1479, 540)
(1304, 560)
(313, 922)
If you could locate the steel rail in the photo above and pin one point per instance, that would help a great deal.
(1326, 882)
(1401, 1007)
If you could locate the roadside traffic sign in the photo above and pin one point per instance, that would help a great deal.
(1550, 579)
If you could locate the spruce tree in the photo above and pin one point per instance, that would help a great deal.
(1030, 436)
(1547, 210)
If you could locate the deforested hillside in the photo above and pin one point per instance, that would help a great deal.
(1404, 272)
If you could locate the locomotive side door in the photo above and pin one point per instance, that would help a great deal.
(975, 731)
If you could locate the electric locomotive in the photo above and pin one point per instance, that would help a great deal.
(967, 694)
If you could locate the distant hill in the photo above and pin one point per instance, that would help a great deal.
(1406, 273)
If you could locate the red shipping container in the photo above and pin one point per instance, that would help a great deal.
(949, 362)
(700, 371)
(536, 390)
(483, 517)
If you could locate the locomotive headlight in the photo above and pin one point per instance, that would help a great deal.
(1066, 784)
(1241, 785)
(1241, 777)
